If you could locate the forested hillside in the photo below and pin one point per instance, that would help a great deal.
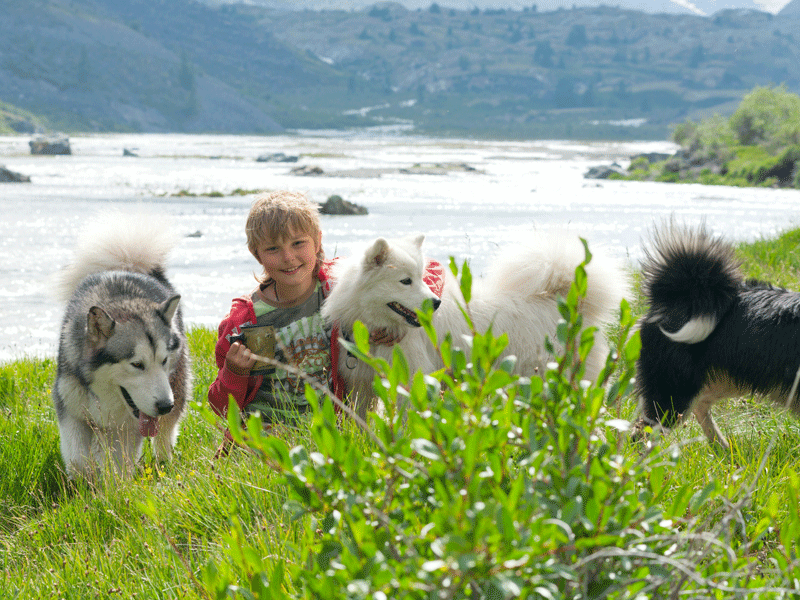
(178, 65)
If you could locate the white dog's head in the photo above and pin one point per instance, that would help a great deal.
(383, 289)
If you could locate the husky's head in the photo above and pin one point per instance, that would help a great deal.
(384, 289)
(133, 356)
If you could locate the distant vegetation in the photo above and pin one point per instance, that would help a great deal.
(758, 145)
(184, 66)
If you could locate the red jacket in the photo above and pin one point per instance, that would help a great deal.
(243, 388)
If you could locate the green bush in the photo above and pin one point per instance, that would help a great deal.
(768, 116)
(710, 136)
(477, 483)
(757, 145)
(759, 167)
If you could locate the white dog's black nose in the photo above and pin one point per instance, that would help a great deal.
(436, 303)
(164, 406)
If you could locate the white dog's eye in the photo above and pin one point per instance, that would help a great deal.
(406, 281)
(138, 365)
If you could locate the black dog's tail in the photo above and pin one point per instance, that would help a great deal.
(690, 279)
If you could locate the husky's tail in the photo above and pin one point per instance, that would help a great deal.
(138, 242)
(690, 279)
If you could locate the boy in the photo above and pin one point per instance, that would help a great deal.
(284, 236)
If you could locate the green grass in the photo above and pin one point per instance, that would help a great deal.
(164, 533)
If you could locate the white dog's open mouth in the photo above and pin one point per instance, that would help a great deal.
(148, 426)
(409, 315)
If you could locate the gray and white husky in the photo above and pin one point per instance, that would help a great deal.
(123, 362)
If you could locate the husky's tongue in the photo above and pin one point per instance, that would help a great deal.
(148, 426)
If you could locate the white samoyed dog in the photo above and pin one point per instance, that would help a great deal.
(384, 286)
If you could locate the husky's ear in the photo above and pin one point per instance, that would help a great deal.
(377, 254)
(418, 240)
(168, 308)
(99, 326)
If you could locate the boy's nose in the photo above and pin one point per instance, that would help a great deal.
(287, 254)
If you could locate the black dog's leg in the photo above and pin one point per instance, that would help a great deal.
(668, 377)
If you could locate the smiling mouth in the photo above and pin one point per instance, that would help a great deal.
(148, 426)
(409, 315)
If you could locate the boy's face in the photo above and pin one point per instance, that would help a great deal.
(291, 260)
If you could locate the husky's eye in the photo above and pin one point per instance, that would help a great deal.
(164, 362)
(406, 281)
(138, 365)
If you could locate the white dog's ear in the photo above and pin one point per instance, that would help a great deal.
(377, 254)
(418, 240)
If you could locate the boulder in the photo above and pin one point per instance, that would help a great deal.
(436, 168)
(336, 205)
(307, 170)
(604, 171)
(50, 145)
(8, 176)
(277, 157)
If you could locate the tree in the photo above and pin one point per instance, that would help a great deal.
(577, 36)
(543, 55)
(564, 95)
(768, 116)
(698, 56)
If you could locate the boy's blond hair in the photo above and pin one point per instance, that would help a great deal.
(276, 215)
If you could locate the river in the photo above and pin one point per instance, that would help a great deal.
(506, 192)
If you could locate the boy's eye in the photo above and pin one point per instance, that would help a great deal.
(406, 281)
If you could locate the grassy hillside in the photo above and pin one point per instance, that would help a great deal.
(192, 528)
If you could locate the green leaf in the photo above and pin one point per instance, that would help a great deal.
(466, 282)
(426, 448)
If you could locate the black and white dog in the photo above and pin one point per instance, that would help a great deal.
(708, 333)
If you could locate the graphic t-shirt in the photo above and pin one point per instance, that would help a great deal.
(301, 340)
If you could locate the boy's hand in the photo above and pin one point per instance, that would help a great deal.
(239, 359)
(384, 337)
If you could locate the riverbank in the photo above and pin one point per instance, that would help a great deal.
(758, 146)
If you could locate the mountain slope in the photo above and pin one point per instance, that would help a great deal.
(145, 65)
(791, 9)
(520, 71)
(180, 65)
(704, 7)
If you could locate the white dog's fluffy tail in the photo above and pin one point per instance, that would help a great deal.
(116, 240)
(545, 267)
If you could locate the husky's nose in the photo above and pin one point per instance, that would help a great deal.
(436, 303)
(164, 406)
